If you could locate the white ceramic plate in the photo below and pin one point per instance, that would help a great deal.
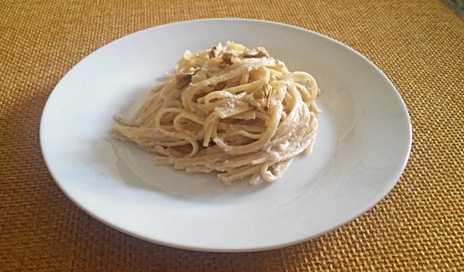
(361, 149)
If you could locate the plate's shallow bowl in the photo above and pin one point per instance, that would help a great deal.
(362, 144)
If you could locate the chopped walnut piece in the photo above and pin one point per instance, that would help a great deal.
(183, 80)
(229, 58)
(213, 52)
(260, 98)
(260, 52)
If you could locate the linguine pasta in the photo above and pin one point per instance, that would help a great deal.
(230, 109)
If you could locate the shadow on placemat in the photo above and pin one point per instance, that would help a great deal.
(456, 5)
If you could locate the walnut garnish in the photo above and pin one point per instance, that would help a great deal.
(183, 80)
(229, 58)
(259, 52)
(213, 52)
(260, 98)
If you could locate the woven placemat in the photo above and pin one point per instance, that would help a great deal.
(419, 225)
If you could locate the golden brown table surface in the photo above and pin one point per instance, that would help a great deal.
(418, 225)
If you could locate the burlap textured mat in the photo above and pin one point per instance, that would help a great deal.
(418, 226)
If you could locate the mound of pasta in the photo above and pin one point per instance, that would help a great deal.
(230, 109)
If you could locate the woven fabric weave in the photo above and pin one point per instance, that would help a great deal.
(419, 225)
